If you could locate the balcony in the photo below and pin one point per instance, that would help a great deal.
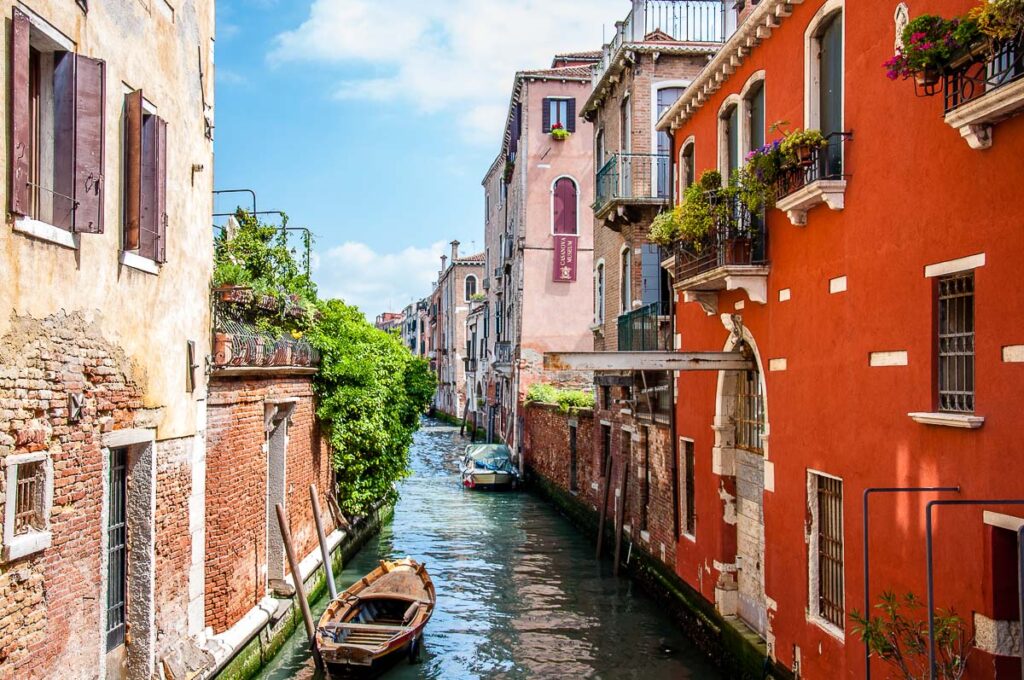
(733, 256)
(630, 180)
(983, 89)
(503, 355)
(239, 347)
(820, 180)
(702, 21)
(471, 364)
(646, 329)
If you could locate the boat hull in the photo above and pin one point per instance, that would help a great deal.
(369, 666)
(488, 480)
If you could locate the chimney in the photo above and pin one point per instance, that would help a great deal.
(455, 251)
(444, 263)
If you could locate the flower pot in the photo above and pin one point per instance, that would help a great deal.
(805, 155)
(236, 294)
(738, 250)
(222, 343)
(927, 78)
(267, 302)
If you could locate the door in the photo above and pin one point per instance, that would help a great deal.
(117, 562)
(276, 481)
(667, 96)
(625, 157)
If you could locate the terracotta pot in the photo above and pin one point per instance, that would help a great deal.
(239, 294)
(268, 303)
(805, 155)
(928, 77)
(738, 251)
(222, 348)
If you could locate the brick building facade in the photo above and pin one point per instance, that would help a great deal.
(459, 280)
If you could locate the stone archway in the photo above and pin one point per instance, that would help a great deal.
(738, 457)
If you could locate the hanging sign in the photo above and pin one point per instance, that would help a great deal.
(565, 258)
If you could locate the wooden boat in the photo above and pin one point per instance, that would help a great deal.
(378, 620)
(488, 466)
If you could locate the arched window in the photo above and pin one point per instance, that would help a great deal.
(667, 96)
(754, 101)
(750, 416)
(729, 139)
(686, 167)
(564, 206)
(470, 287)
(823, 98)
(599, 293)
(625, 281)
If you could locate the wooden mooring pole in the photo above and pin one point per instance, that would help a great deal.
(325, 552)
(604, 504)
(621, 514)
(300, 590)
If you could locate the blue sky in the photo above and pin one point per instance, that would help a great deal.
(372, 122)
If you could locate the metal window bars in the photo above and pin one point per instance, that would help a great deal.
(831, 596)
(955, 338)
(983, 71)
(750, 414)
(28, 503)
(117, 548)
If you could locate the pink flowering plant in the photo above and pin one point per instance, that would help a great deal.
(930, 44)
(559, 132)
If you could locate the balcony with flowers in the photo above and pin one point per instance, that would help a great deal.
(975, 60)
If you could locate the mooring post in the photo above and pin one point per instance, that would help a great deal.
(604, 505)
(300, 591)
(621, 513)
(325, 553)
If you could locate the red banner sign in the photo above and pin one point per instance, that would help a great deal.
(565, 258)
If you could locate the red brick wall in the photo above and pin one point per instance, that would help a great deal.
(236, 488)
(173, 548)
(546, 448)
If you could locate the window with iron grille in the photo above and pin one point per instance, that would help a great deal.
(955, 342)
(828, 518)
(28, 505)
(117, 548)
(749, 411)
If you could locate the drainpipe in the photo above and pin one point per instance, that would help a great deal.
(867, 562)
(933, 670)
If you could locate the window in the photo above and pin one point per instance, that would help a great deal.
(755, 116)
(655, 390)
(564, 205)
(599, 151)
(667, 96)
(606, 449)
(729, 141)
(599, 294)
(573, 474)
(606, 397)
(27, 510)
(56, 129)
(625, 281)
(827, 591)
(686, 168)
(117, 548)
(559, 110)
(145, 165)
(625, 126)
(955, 342)
(689, 505)
(749, 411)
(824, 95)
(470, 287)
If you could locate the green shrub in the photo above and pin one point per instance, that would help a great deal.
(568, 401)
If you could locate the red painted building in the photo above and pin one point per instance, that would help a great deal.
(880, 302)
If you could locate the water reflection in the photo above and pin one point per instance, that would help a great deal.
(519, 594)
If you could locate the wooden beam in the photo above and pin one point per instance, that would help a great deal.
(646, 361)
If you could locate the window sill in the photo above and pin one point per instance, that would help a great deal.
(26, 544)
(689, 537)
(45, 232)
(143, 264)
(974, 119)
(961, 420)
(829, 627)
(831, 192)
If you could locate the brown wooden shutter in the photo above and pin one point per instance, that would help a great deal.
(21, 125)
(132, 169)
(565, 206)
(570, 124)
(148, 217)
(161, 188)
(63, 186)
(546, 115)
(90, 91)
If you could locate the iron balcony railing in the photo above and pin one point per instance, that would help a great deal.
(704, 21)
(236, 344)
(825, 163)
(503, 352)
(739, 239)
(645, 329)
(983, 72)
(628, 177)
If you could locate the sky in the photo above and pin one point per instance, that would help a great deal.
(372, 122)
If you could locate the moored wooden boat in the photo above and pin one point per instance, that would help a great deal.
(488, 466)
(378, 620)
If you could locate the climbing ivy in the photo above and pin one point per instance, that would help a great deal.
(370, 389)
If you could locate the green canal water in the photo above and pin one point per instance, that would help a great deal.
(519, 593)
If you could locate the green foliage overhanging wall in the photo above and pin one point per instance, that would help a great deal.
(370, 389)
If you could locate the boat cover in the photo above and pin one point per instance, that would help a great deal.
(494, 457)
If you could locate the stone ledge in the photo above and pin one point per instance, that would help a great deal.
(961, 420)
(246, 371)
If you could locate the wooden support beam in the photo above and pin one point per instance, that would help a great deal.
(646, 361)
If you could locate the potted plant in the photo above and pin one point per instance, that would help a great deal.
(705, 204)
(559, 133)
(998, 21)
(930, 44)
(665, 229)
(231, 282)
(799, 146)
(756, 181)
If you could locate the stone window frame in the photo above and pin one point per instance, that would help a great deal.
(576, 187)
(465, 287)
(686, 493)
(813, 576)
(812, 75)
(34, 540)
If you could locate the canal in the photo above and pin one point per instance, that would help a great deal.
(519, 593)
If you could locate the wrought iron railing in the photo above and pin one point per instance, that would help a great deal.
(503, 352)
(983, 72)
(682, 20)
(632, 177)
(236, 344)
(825, 163)
(645, 329)
(738, 238)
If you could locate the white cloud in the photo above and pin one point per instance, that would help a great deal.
(457, 55)
(374, 281)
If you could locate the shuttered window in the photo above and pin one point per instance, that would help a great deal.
(145, 228)
(564, 207)
(559, 110)
(56, 120)
(755, 111)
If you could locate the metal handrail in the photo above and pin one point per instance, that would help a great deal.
(632, 176)
(645, 329)
(825, 163)
(982, 72)
(738, 238)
